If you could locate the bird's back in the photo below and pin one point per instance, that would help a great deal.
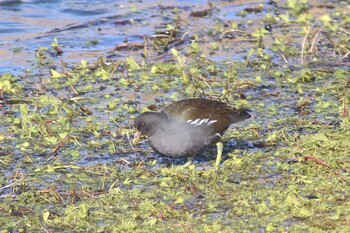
(200, 109)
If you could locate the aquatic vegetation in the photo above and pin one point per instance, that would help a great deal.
(66, 157)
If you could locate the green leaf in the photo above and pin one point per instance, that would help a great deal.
(54, 44)
(132, 64)
(104, 74)
(152, 222)
(325, 18)
(84, 63)
(63, 135)
(55, 74)
(174, 52)
(46, 215)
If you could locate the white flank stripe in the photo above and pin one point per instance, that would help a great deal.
(195, 122)
(198, 122)
(203, 121)
(212, 122)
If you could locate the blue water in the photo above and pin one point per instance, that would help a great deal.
(27, 25)
(21, 17)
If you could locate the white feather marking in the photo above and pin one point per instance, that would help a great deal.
(212, 122)
(195, 122)
(198, 122)
(203, 121)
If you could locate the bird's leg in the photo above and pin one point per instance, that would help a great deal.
(219, 148)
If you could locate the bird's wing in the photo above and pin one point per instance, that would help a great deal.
(202, 111)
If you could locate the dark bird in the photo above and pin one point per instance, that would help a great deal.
(187, 127)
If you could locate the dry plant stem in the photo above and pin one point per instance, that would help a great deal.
(345, 31)
(16, 174)
(113, 184)
(44, 228)
(315, 40)
(22, 179)
(113, 145)
(318, 161)
(115, 67)
(153, 44)
(346, 221)
(184, 35)
(249, 84)
(346, 55)
(3, 162)
(70, 84)
(103, 181)
(344, 108)
(240, 39)
(323, 163)
(284, 136)
(45, 199)
(129, 140)
(48, 190)
(73, 89)
(119, 125)
(124, 161)
(145, 51)
(48, 129)
(83, 110)
(59, 197)
(305, 38)
(339, 177)
(59, 145)
(76, 141)
(140, 164)
(231, 30)
(12, 184)
(284, 58)
(200, 77)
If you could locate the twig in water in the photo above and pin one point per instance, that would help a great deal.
(130, 143)
(12, 184)
(305, 38)
(59, 145)
(318, 161)
(323, 163)
(48, 190)
(200, 77)
(314, 40)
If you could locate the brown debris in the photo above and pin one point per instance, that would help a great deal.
(201, 13)
(129, 45)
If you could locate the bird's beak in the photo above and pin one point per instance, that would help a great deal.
(137, 137)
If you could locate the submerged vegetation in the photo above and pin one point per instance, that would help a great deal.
(66, 157)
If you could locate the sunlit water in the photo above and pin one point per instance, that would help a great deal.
(27, 25)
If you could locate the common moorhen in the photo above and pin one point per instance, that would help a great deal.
(187, 127)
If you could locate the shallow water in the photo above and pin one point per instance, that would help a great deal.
(27, 25)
